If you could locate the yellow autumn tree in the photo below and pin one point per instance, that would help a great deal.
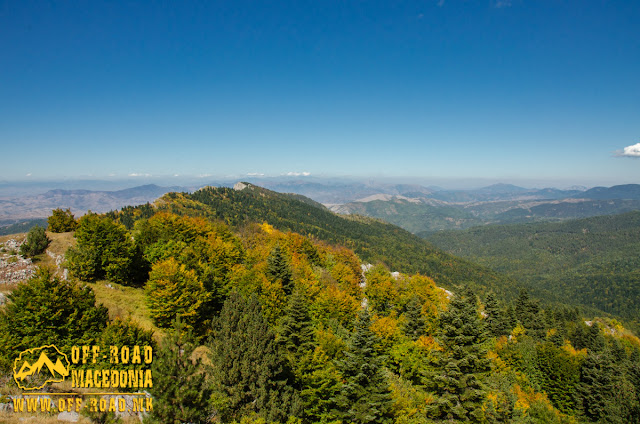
(172, 291)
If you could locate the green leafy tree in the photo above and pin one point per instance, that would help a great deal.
(61, 221)
(105, 249)
(180, 391)
(36, 242)
(249, 374)
(463, 364)
(47, 310)
(364, 396)
(174, 291)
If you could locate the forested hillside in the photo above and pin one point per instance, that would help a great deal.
(372, 240)
(255, 325)
(593, 262)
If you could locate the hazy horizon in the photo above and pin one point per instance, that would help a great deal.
(115, 183)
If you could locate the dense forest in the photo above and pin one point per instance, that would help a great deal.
(253, 324)
(591, 262)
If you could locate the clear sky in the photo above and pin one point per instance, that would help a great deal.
(495, 89)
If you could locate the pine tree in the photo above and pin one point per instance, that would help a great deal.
(180, 391)
(633, 373)
(296, 331)
(416, 323)
(365, 395)
(36, 243)
(559, 374)
(579, 337)
(315, 375)
(496, 320)
(595, 385)
(528, 313)
(249, 375)
(594, 338)
(278, 268)
(463, 364)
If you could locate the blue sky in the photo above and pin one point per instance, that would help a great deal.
(494, 89)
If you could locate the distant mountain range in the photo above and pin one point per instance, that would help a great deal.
(497, 204)
(416, 208)
(13, 209)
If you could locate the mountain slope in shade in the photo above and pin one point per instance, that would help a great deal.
(626, 191)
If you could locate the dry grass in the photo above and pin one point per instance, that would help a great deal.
(60, 242)
(126, 302)
(18, 236)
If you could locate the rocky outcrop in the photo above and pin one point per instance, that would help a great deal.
(239, 186)
(14, 268)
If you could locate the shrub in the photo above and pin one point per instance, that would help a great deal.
(36, 243)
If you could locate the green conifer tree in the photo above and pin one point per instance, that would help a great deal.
(529, 314)
(278, 268)
(180, 391)
(249, 375)
(595, 385)
(365, 395)
(415, 324)
(496, 319)
(463, 364)
(296, 331)
(316, 378)
(36, 242)
(595, 340)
